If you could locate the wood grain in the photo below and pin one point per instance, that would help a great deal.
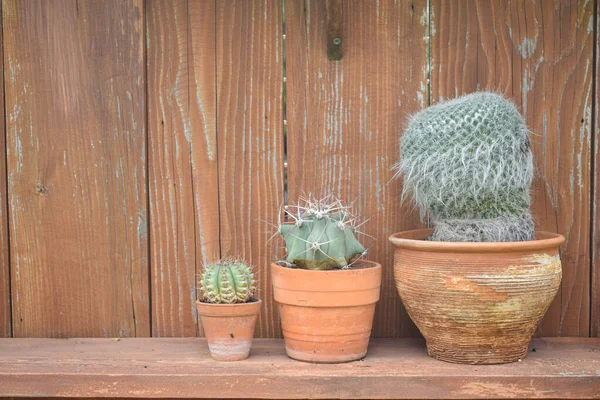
(345, 118)
(393, 369)
(182, 157)
(75, 106)
(595, 264)
(250, 137)
(5, 308)
(540, 55)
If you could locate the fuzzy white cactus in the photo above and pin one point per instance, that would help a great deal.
(468, 163)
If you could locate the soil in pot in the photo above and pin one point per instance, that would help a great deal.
(476, 303)
(327, 316)
(229, 328)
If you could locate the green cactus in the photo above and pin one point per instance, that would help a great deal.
(228, 282)
(321, 236)
(467, 162)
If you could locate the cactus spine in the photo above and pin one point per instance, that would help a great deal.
(467, 162)
(321, 235)
(227, 282)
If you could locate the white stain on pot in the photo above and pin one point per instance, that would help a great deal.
(228, 349)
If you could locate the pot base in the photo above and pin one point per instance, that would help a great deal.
(320, 334)
(323, 358)
(317, 350)
(229, 350)
(476, 354)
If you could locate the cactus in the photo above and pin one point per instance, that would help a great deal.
(468, 163)
(321, 235)
(228, 282)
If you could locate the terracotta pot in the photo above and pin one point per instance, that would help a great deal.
(229, 328)
(326, 316)
(476, 303)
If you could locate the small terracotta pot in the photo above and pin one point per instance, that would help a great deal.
(229, 328)
(476, 303)
(326, 316)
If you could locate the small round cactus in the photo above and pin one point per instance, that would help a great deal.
(321, 235)
(467, 162)
(228, 282)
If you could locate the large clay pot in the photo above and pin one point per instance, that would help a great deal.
(229, 328)
(476, 303)
(326, 316)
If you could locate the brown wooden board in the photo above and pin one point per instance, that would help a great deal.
(182, 368)
(5, 309)
(75, 106)
(595, 275)
(250, 137)
(539, 54)
(182, 157)
(345, 118)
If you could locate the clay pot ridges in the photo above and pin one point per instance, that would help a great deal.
(229, 328)
(474, 305)
(327, 316)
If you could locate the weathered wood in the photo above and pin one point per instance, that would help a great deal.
(5, 309)
(595, 276)
(538, 54)
(182, 157)
(397, 369)
(345, 118)
(250, 137)
(75, 106)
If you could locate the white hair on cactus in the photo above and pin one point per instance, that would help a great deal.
(321, 234)
(468, 163)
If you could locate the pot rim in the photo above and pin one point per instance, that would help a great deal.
(327, 289)
(246, 304)
(413, 240)
(372, 264)
(228, 310)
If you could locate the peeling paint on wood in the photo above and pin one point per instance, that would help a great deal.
(250, 137)
(595, 262)
(5, 312)
(184, 210)
(80, 263)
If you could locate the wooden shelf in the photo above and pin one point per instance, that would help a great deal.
(181, 368)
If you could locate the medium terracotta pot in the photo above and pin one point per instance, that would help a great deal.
(229, 328)
(476, 303)
(326, 316)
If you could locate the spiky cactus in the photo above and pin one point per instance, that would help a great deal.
(227, 282)
(321, 234)
(468, 163)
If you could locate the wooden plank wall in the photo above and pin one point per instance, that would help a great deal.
(76, 140)
(5, 308)
(595, 248)
(250, 136)
(144, 138)
(182, 157)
